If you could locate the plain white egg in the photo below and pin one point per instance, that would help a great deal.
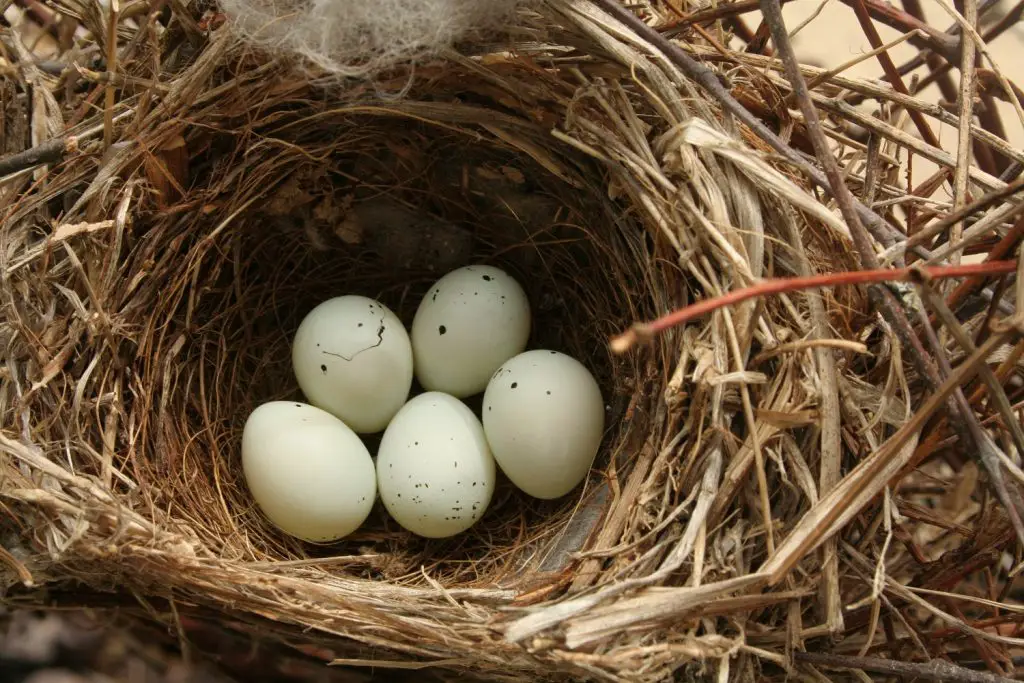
(470, 322)
(435, 473)
(307, 471)
(353, 358)
(543, 416)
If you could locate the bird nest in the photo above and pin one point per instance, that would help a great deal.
(782, 484)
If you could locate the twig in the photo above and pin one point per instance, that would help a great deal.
(892, 16)
(995, 389)
(967, 427)
(860, 9)
(646, 331)
(968, 59)
(934, 670)
(913, 7)
(979, 204)
(1011, 19)
(1003, 248)
(826, 75)
(47, 152)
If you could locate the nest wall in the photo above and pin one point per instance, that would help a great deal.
(151, 289)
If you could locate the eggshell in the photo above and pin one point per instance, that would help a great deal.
(307, 471)
(352, 357)
(543, 416)
(435, 473)
(471, 321)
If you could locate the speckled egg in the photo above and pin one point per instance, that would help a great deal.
(471, 321)
(352, 357)
(435, 472)
(543, 417)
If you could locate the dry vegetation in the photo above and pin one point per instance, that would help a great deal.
(818, 483)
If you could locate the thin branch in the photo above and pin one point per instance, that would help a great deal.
(979, 204)
(894, 17)
(967, 427)
(45, 153)
(877, 50)
(647, 331)
(1002, 249)
(953, 31)
(968, 59)
(938, 306)
(860, 9)
(1011, 19)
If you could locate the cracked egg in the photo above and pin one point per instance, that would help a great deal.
(352, 357)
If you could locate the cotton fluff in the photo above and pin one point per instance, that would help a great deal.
(356, 38)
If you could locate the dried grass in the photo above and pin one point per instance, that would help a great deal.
(782, 482)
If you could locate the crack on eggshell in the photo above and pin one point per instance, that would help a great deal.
(380, 340)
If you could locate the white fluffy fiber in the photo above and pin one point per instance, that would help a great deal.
(357, 38)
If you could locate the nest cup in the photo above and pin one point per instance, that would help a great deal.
(381, 205)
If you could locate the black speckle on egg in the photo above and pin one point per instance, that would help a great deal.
(515, 384)
(455, 464)
(436, 292)
(488, 278)
(442, 329)
(360, 325)
(549, 393)
(416, 443)
(553, 353)
(488, 408)
(298, 405)
(323, 369)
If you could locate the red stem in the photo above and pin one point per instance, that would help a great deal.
(643, 331)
